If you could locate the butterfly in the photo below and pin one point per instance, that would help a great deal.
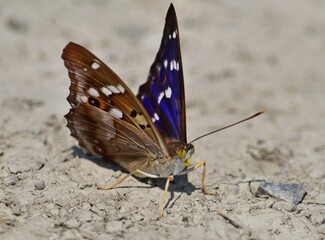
(143, 134)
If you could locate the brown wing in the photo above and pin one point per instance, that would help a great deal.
(105, 134)
(106, 117)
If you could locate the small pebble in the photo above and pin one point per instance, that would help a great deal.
(39, 165)
(11, 180)
(117, 174)
(40, 185)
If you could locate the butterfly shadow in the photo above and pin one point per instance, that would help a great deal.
(180, 184)
(78, 152)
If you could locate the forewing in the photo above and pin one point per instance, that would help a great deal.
(163, 93)
(101, 102)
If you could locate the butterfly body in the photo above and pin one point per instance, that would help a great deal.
(144, 134)
(156, 166)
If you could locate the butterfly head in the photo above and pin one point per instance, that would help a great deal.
(185, 153)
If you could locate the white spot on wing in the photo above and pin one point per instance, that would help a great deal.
(113, 89)
(168, 92)
(153, 120)
(106, 91)
(155, 115)
(110, 134)
(174, 34)
(165, 63)
(93, 92)
(122, 90)
(161, 95)
(116, 112)
(83, 98)
(174, 65)
(95, 65)
(169, 36)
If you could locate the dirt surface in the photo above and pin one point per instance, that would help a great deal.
(238, 57)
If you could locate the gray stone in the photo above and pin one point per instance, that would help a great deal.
(290, 192)
(11, 180)
(40, 185)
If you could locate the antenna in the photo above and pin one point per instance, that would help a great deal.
(231, 125)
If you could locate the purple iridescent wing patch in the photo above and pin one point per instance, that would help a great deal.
(163, 93)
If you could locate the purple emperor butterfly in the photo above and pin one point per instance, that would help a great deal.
(145, 135)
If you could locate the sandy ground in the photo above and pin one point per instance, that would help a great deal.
(238, 56)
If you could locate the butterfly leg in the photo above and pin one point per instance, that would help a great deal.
(163, 201)
(202, 162)
(137, 171)
(197, 165)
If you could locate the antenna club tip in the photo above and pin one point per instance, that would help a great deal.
(262, 111)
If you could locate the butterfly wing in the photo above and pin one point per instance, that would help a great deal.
(163, 93)
(106, 117)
